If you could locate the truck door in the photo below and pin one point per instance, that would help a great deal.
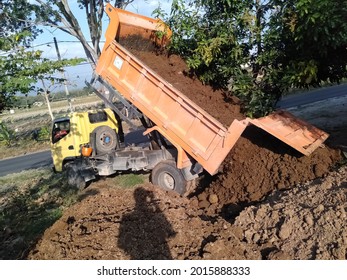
(62, 142)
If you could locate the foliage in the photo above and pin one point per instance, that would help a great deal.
(42, 134)
(59, 14)
(315, 38)
(15, 16)
(259, 49)
(20, 67)
(12, 30)
(159, 13)
(7, 135)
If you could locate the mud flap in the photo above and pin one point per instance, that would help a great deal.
(88, 174)
(295, 132)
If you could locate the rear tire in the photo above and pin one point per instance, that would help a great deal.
(167, 176)
(106, 139)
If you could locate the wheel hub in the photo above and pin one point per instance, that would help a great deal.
(106, 140)
(168, 181)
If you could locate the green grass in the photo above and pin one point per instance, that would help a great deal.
(30, 202)
(12, 182)
(129, 180)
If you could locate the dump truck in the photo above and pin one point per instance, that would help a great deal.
(183, 139)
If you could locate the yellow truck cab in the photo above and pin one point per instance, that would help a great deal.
(101, 131)
(97, 129)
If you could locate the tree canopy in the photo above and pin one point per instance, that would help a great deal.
(20, 66)
(20, 22)
(259, 49)
(59, 14)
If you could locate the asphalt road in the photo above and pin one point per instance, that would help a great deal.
(30, 161)
(312, 96)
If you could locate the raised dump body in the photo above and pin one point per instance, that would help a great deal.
(188, 127)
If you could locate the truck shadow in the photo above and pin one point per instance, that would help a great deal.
(144, 232)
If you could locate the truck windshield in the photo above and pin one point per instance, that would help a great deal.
(60, 130)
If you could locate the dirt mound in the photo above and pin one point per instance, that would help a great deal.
(306, 222)
(142, 223)
(258, 163)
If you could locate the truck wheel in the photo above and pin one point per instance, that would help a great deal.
(105, 139)
(167, 176)
(74, 176)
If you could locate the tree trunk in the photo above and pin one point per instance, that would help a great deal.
(46, 95)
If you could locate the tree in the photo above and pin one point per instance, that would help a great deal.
(315, 37)
(259, 49)
(15, 17)
(21, 67)
(58, 14)
(12, 32)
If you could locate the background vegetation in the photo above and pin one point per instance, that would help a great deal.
(259, 50)
(28, 101)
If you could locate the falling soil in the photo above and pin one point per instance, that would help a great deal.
(232, 218)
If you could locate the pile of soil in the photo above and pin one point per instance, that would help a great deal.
(259, 162)
(145, 223)
(149, 223)
(305, 222)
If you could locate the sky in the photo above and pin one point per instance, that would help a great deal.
(69, 47)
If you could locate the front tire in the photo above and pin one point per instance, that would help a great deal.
(167, 176)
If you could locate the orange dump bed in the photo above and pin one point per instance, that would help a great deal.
(187, 126)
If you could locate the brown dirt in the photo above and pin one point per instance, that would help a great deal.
(145, 223)
(175, 71)
(148, 223)
(258, 163)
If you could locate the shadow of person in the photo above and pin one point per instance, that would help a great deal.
(143, 233)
